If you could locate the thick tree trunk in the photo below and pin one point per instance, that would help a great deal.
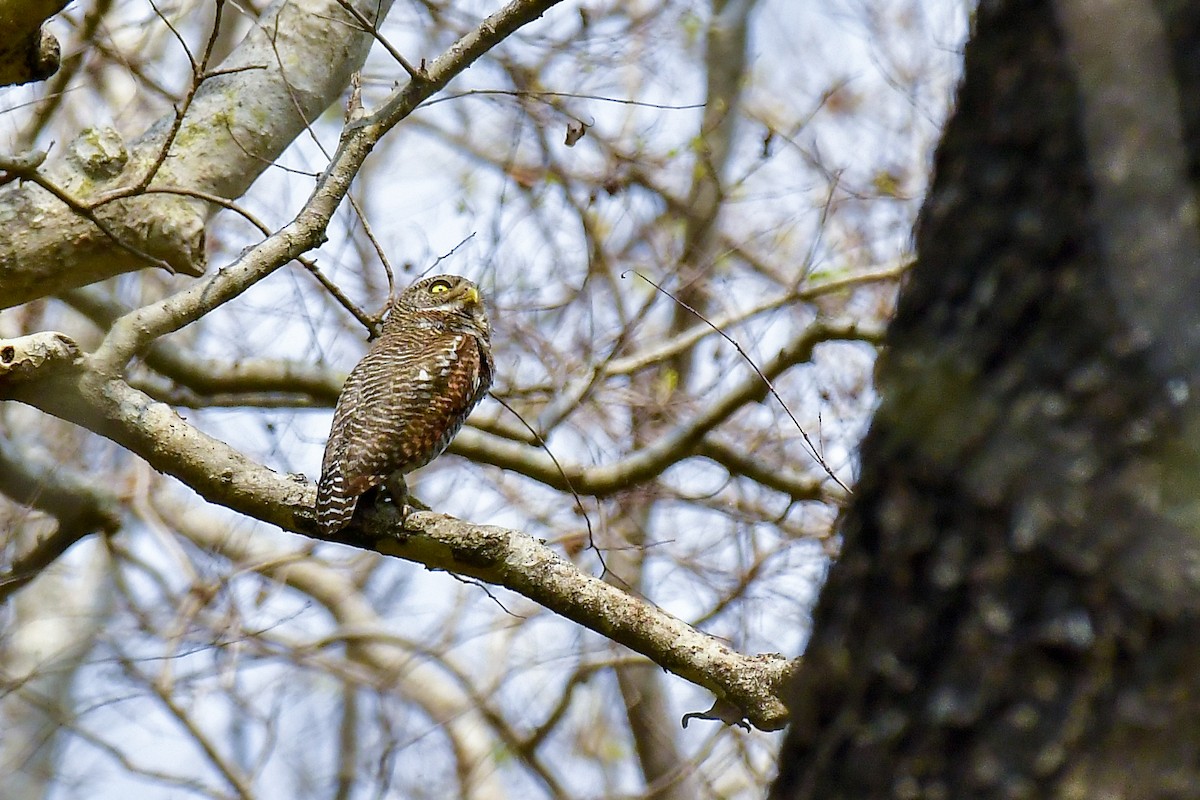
(1015, 611)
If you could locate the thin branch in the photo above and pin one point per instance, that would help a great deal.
(761, 374)
(570, 95)
(136, 330)
(673, 446)
(809, 291)
(205, 379)
(591, 537)
(199, 75)
(372, 28)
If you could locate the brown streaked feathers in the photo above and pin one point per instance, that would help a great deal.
(408, 396)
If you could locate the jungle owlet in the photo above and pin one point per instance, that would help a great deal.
(410, 394)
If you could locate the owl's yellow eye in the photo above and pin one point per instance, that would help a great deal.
(437, 287)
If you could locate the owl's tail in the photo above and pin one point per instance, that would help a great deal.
(335, 506)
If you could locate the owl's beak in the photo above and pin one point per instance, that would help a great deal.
(473, 297)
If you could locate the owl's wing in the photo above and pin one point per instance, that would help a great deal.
(404, 402)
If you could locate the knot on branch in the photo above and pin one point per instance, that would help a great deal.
(99, 153)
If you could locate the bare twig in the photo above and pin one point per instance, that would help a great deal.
(675, 445)
(578, 500)
(307, 230)
(761, 374)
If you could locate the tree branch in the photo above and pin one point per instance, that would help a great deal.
(508, 558)
(292, 64)
(24, 356)
(678, 443)
(209, 377)
(137, 329)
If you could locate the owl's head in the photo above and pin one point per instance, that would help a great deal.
(451, 300)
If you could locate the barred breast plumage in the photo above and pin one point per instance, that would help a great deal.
(408, 396)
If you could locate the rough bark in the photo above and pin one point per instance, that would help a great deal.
(1015, 612)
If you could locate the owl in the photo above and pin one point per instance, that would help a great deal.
(407, 397)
